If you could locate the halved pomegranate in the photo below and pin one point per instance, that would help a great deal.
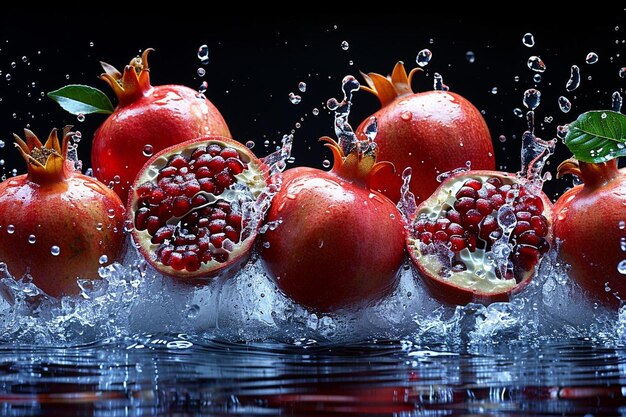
(479, 237)
(191, 203)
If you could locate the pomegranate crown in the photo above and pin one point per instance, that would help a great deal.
(133, 82)
(46, 162)
(388, 88)
(360, 164)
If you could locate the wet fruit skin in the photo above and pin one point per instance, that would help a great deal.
(338, 245)
(147, 120)
(59, 207)
(188, 218)
(589, 225)
(432, 132)
(531, 236)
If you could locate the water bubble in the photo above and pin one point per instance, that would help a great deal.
(203, 87)
(532, 98)
(528, 40)
(302, 86)
(423, 57)
(10, 229)
(470, 56)
(616, 101)
(561, 131)
(326, 163)
(266, 143)
(502, 138)
(622, 244)
(536, 64)
(55, 250)
(14, 172)
(622, 72)
(128, 226)
(117, 179)
(103, 260)
(564, 104)
(345, 45)
(25, 59)
(1, 162)
(148, 150)
(67, 76)
(518, 112)
(201, 72)
(332, 104)
(537, 78)
(574, 79)
(315, 111)
(294, 98)
(1, 144)
(203, 54)
(8, 77)
(516, 78)
(621, 267)
(13, 64)
(77, 136)
(32, 239)
(591, 58)
(80, 117)
(91, 44)
(250, 144)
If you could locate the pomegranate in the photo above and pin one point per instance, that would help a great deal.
(189, 205)
(479, 237)
(432, 132)
(147, 120)
(57, 225)
(338, 243)
(590, 228)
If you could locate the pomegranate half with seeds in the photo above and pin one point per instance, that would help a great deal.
(189, 205)
(479, 237)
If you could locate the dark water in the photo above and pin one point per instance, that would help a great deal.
(170, 374)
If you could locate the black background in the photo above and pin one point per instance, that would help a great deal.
(256, 61)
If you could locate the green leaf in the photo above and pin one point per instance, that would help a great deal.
(597, 136)
(82, 99)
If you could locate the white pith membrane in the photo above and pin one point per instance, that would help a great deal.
(482, 271)
(224, 207)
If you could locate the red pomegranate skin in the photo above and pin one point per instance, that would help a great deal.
(147, 120)
(64, 208)
(432, 132)
(589, 225)
(339, 245)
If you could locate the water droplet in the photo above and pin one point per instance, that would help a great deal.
(423, 57)
(536, 64)
(621, 267)
(99, 226)
(502, 138)
(574, 79)
(603, 116)
(10, 229)
(537, 78)
(294, 98)
(116, 179)
(622, 72)
(25, 59)
(80, 117)
(406, 115)
(67, 76)
(518, 112)
(250, 144)
(8, 77)
(315, 111)
(494, 90)
(201, 72)
(332, 104)
(564, 104)
(528, 40)
(148, 150)
(32, 239)
(1, 162)
(266, 245)
(1, 144)
(203, 54)
(77, 136)
(14, 172)
(111, 213)
(302, 86)
(345, 45)
(13, 64)
(55, 250)
(128, 226)
(622, 225)
(103, 260)
(266, 143)
(91, 44)
(622, 244)
(616, 101)
(532, 98)
(470, 56)
(326, 163)
(561, 131)
(438, 82)
(203, 87)
(516, 78)
(591, 58)
(192, 311)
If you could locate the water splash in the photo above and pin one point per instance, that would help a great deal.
(574, 79)
(616, 101)
(343, 131)
(407, 205)
(438, 84)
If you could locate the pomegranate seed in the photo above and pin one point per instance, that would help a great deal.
(164, 233)
(497, 200)
(152, 224)
(164, 254)
(176, 261)
(217, 164)
(145, 189)
(218, 213)
(207, 257)
(426, 237)
(521, 227)
(442, 224)
(229, 152)
(172, 189)
(471, 243)
(217, 226)
(487, 227)
(235, 166)
(233, 234)
(529, 238)
(192, 188)
(234, 220)
(181, 206)
(420, 226)
(178, 161)
(523, 215)
(164, 211)
(198, 201)
(455, 229)
(157, 196)
(474, 183)
(484, 206)
(224, 179)
(463, 204)
(531, 203)
(217, 239)
(457, 243)
(214, 149)
(540, 225)
(454, 216)
(526, 256)
(467, 192)
(220, 257)
(472, 219)
(203, 244)
(440, 236)
(207, 185)
(203, 172)
(203, 161)
(224, 205)
(192, 263)
(504, 189)
(496, 182)
(141, 217)
(431, 226)
(200, 151)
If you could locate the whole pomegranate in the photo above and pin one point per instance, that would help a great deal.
(590, 228)
(432, 132)
(147, 120)
(57, 225)
(338, 244)
(193, 206)
(479, 237)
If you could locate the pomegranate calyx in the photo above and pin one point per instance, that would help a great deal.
(593, 175)
(46, 162)
(131, 84)
(387, 89)
(360, 164)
